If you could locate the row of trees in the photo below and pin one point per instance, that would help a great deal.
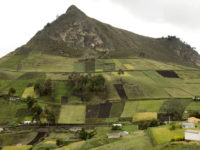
(85, 86)
(37, 111)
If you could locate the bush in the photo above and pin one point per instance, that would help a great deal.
(178, 138)
(84, 135)
(116, 127)
(59, 142)
(151, 123)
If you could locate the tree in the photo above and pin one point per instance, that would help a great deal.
(38, 88)
(50, 116)
(120, 72)
(36, 110)
(11, 92)
(47, 88)
(30, 102)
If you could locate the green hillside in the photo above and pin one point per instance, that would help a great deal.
(80, 73)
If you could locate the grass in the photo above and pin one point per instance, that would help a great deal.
(29, 91)
(149, 105)
(72, 114)
(138, 141)
(16, 138)
(129, 66)
(193, 106)
(129, 109)
(138, 85)
(144, 116)
(130, 128)
(132, 107)
(61, 90)
(163, 134)
(72, 146)
(116, 109)
(8, 111)
(175, 106)
(23, 147)
(79, 67)
(175, 92)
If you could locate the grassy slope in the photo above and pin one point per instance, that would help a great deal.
(138, 141)
(72, 114)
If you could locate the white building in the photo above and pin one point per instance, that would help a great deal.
(192, 135)
(1, 130)
(188, 125)
(117, 125)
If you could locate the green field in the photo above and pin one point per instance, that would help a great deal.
(132, 107)
(9, 112)
(72, 114)
(163, 134)
(138, 141)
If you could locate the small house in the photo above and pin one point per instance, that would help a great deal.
(192, 135)
(188, 125)
(14, 98)
(114, 135)
(117, 125)
(1, 130)
(193, 120)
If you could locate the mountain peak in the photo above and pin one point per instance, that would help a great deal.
(74, 10)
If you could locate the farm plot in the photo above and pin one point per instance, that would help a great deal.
(139, 141)
(79, 67)
(8, 111)
(116, 109)
(72, 114)
(168, 73)
(22, 147)
(193, 89)
(193, 106)
(92, 111)
(32, 75)
(104, 111)
(121, 91)
(144, 116)
(61, 91)
(48, 63)
(129, 66)
(160, 80)
(129, 109)
(170, 107)
(138, 85)
(149, 105)
(90, 65)
(175, 92)
(163, 134)
(188, 74)
(16, 138)
(29, 92)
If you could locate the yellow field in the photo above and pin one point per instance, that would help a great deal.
(144, 116)
(129, 66)
(29, 91)
(73, 146)
(23, 147)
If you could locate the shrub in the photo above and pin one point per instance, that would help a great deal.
(178, 138)
(116, 127)
(84, 135)
(59, 142)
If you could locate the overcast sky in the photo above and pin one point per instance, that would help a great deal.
(21, 19)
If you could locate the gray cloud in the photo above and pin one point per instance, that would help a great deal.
(182, 13)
